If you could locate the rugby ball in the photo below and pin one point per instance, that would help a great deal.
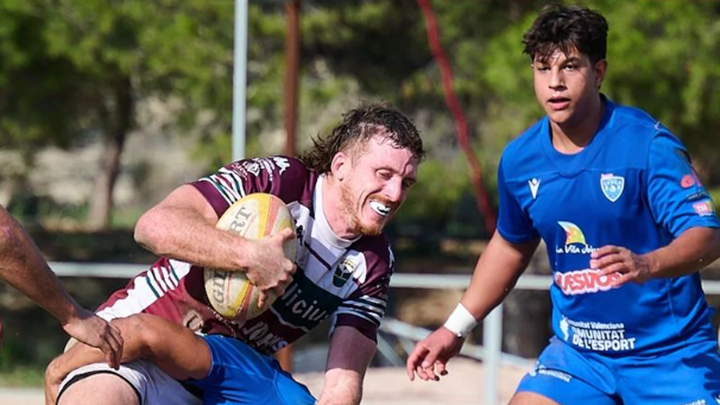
(253, 217)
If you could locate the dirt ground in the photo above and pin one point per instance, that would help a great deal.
(383, 386)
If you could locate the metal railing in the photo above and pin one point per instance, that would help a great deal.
(490, 352)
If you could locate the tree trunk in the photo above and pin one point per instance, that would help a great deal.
(120, 117)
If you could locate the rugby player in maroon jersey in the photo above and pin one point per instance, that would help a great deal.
(341, 194)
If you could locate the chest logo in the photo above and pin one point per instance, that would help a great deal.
(534, 186)
(612, 186)
(343, 272)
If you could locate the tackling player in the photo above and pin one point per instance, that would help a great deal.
(627, 225)
(23, 267)
(341, 195)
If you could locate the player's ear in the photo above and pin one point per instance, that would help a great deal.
(600, 71)
(340, 165)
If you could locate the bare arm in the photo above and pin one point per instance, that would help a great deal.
(348, 359)
(184, 356)
(182, 227)
(691, 251)
(496, 273)
(24, 268)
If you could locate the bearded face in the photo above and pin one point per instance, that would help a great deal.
(374, 185)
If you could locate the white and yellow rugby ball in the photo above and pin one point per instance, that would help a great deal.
(253, 217)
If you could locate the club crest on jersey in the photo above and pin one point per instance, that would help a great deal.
(342, 273)
(612, 186)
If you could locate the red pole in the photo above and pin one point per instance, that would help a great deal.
(483, 200)
(292, 55)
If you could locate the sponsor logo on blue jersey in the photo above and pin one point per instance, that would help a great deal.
(575, 242)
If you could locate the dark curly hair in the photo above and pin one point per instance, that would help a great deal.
(564, 28)
(357, 127)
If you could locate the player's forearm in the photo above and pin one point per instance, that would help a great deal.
(342, 387)
(693, 250)
(23, 267)
(495, 274)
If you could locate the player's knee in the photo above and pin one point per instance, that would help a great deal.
(102, 388)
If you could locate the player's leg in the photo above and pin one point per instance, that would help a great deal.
(241, 375)
(99, 388)
(566, 376)
(555, 387)
(685, 375)
(135, 383)
(178, 351)
(531, 398)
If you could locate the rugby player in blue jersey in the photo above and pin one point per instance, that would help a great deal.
(627, 225)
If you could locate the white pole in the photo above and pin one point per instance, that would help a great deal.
(239, 79)
(492, 341)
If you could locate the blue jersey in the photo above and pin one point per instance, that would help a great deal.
(631, 186)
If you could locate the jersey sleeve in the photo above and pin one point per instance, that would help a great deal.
(236, 180)
(513, 222)
(364, 309)
(677, 198)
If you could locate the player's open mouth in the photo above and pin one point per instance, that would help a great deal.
(559, 102)
(381, 209)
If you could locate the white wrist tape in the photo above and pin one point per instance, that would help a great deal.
(461, 321)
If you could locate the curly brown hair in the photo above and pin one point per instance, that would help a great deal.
(564, 28)
(357, 127)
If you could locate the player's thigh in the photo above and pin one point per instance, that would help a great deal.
(135, 383)
(683, 376)
(100, 388)
(551, 387)
(531, 398)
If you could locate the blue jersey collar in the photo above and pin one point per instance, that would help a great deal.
(573, 164)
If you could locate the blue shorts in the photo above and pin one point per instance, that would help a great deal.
(240, 375)
(689, 375)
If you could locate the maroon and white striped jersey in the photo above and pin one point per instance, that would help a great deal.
(346, 280)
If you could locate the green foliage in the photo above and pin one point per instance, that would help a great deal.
(61, 61)
(432, 200)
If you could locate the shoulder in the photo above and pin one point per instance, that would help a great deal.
(377, 251)
(636, 126)
(282, 167)
(641, 132)
(284, 176)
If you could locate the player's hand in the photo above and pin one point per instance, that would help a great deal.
(429, 358)
(270, 270)
(53, 379)
(94, 331)
(623, 262)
